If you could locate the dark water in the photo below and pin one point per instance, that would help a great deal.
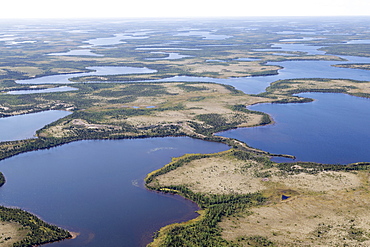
(332, 129)
(95, 188)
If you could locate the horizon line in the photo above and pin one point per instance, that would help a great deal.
(181, 17)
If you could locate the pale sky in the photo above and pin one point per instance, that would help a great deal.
(180, 8)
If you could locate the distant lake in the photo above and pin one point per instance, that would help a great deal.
(116, 39)
(96, 188)
(290, 70)
(46, 90)
(332, 129)
(77, 52)
(106, 70)
(24, 126)
(204, 34)
(169, 56)
(249, 85)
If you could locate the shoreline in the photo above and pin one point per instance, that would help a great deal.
(302, 181)
(212, 138)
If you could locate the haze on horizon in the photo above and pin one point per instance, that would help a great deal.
(192, 8)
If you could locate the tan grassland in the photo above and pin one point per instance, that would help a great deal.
(198, 65)
(214, 98)
(28, 71)
(227, 70)
(11, 233)
(352, 87)
(324, 209)
(354, 66)
(224, 175)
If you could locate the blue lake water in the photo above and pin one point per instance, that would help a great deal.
(292, 69)
(332, 129)
(207, 35)
(169, 56)
(95, 188)
(77, 52)
(107, 70)
(115, 40)
(46, 90)
(359, 41)
(166, 48)
(24, 126)
(249, 85)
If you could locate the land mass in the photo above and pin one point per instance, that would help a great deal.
(19, 228)
(198, 110)
(245, 198)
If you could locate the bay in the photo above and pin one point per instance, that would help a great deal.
(25, 126)
(96, 188)
(333, 129)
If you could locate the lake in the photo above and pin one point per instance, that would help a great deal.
(77, 52)
(116, 39)
(291, 70)
(25, 126)
(169, 56)
(332, 129)
(249, 85)
(96, 188)
(105, 70)
(45, 90)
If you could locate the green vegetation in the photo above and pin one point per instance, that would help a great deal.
(104, 110)
(144, 90)
(213, 122)
(216, 121)
(2, 179)
(39, 231)
(315, 168)
(205, 231)
(219, 208)
(349, 49)
(256, 241)
(283, 91)
(189, 88)
(243, 108)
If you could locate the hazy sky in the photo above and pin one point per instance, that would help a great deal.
(180, 8)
